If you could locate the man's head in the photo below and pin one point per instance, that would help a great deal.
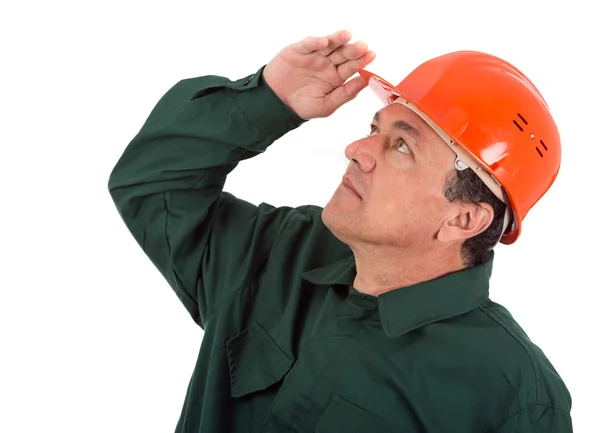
(410, 195)
(462, 138)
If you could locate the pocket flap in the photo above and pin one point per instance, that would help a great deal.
(343, 416)
(255, 361)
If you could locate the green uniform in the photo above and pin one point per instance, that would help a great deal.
(289, 345)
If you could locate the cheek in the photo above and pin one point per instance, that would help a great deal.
(411, 199)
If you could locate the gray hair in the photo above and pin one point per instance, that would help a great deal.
(464, 186)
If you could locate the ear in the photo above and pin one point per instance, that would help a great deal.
(465, 221)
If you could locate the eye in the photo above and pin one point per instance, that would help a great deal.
(402, 146)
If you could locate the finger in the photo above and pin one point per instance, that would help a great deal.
(309, 45)
(344, 93)
(348, 52)
(336, 40)
(349, 68)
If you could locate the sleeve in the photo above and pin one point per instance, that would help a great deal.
(538, 418)
(168, 186)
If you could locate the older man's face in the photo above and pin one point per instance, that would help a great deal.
(399, 172)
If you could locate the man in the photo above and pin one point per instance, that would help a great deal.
(372, 314)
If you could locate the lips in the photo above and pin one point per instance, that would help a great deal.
(348, 184)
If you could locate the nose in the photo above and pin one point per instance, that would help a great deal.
(364, 151)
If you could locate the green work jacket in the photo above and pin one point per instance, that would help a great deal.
(289, 345)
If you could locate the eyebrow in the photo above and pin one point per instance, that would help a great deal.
(403, 125)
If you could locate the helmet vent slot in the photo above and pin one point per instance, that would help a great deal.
(517, 125)
(522, 118)
(532, 135)
(538, 149)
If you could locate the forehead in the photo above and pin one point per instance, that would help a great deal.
(393, 112)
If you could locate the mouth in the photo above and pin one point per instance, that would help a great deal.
(347, 183)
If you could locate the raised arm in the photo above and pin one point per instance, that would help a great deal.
(167, 185)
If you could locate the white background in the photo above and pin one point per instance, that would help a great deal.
(92, 338)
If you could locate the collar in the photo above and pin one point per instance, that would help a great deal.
(408, 308)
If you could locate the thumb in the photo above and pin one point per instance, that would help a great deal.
(345, 93)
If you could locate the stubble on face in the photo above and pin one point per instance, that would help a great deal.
(402, 199)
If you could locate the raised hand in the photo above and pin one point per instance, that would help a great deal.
(310, 76)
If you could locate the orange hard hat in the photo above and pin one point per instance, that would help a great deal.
(493, 117)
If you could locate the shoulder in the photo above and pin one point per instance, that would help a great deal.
(526, 362)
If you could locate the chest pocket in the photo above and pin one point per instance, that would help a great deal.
(255, 361)
(343, 416)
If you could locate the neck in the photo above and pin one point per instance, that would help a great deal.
(381, 269)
